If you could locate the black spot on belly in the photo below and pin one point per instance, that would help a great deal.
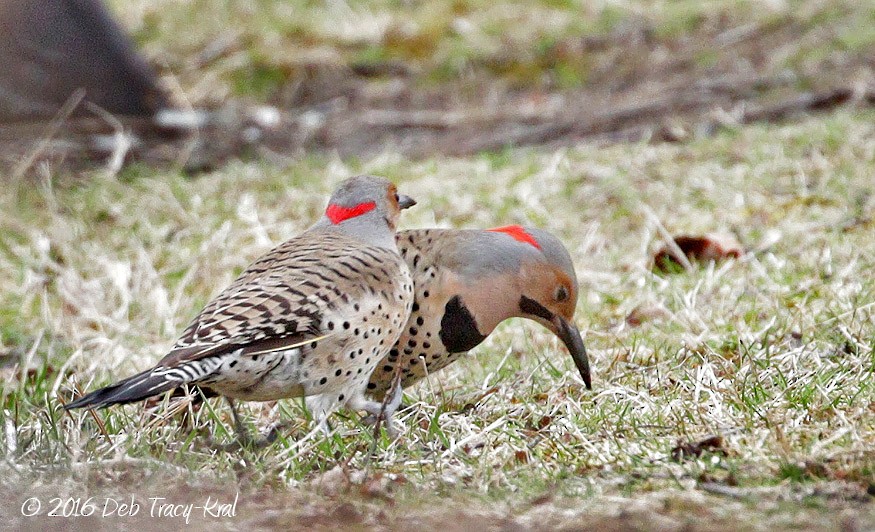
(459, 328)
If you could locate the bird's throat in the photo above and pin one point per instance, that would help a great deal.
(459, 331)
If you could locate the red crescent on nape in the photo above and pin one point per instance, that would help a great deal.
(337, 214)
(518, 233)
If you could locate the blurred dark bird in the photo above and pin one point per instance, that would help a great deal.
(50, 49)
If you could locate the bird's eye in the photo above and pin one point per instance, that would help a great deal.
(397, 198)
(561, 293)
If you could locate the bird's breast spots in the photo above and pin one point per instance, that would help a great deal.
(517, 233)
(338, 213)
(459, 331)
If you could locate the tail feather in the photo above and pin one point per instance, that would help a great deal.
(136, 388)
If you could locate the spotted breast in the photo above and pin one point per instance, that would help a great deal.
(313, 316)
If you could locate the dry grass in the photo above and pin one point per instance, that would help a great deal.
(773, 351)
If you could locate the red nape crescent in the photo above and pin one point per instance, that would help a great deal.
(337, 214)
(518, 233)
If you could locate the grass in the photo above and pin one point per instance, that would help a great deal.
(773, 351)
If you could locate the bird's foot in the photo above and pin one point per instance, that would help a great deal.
(371, 420)
(244, 438)
(384, 411)
(274, 432)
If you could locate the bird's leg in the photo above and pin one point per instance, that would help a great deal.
(384, 410)
(243, 437)
(273, 433)
(373, 408)
(323, 425)
(320, 407)
(391, 406)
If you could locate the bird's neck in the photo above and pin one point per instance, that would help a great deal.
(371, 229)
(490, 299)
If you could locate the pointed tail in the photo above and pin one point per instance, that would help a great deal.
(137, 388)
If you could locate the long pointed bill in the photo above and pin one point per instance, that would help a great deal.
(570, 336)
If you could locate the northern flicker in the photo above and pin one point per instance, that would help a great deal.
(315, 315)
(466, 283)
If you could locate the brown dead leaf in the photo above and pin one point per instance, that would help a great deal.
(645, 313)
(544, 422)
(703, 248)
(712, 444)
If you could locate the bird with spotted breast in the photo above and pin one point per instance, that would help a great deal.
(466, 283)
(315, 315)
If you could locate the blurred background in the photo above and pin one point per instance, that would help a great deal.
(198, 82)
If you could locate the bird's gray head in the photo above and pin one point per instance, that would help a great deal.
(539, 263)
(535, 280)
(366, 207)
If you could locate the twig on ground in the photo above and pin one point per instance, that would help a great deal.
(63, 113)
(672, 246)
(122, 142)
